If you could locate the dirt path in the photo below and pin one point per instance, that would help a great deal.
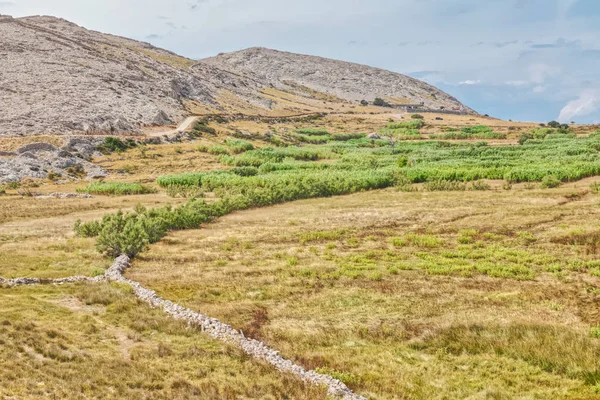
(184, 125)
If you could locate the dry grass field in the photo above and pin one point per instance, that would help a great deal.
(98, 341)
(406, 295)
(478, 294)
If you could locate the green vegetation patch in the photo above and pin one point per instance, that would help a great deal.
(116, 188)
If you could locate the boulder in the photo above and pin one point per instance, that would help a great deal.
(36, 147)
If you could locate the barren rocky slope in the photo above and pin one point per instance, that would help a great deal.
(58, 77)
(345, 80)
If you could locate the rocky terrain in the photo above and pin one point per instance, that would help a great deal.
(57, 77)
(42, 160)
(347, 81)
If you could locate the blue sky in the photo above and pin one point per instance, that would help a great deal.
(533, 60)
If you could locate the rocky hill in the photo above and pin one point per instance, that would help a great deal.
(57, 77)
(348, 81)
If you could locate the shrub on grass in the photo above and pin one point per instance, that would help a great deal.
(218, 150)
(479, 185)
(550, 181)
(116, 188)
(202, 127)
(443, 185)
(417, 116)
(312, 132)
(343, 137)
(379, 102)
(238, 146)
(115, 145)
(414, 124)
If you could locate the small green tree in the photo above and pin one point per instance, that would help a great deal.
(379, 102)
(364, 103)
(554, 124)
(550, 181)
(122, 234)
(525, 137)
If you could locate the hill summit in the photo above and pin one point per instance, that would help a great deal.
(57, 77)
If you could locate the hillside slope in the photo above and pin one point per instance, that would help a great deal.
(347, 81)
(57, 77)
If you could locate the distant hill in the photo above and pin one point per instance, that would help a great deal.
(57, 77)
(347, 81)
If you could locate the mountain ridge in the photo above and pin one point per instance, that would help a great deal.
(58, 78)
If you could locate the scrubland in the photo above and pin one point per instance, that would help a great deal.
(436, 262)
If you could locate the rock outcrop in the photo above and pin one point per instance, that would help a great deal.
(344, 80)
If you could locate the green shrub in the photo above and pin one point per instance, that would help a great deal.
(417, 116)
(445, 186)
(479, 185)
(402, 161)
(116, 188)
(414, 124)
(524, 137)
(312, 132)
(343, 137)
(239, 146)
(550, 181)
(554, 124)
(90, 229)
(115, 145)
(218, 150)
(471, 132)
(245, 171)
(184, 191)
(379, 102)
(202, 127)
(312, 139)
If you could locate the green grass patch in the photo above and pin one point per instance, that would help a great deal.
(116, 188)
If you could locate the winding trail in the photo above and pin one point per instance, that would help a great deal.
(211, 326)
(184, 125)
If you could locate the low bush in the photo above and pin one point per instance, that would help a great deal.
(130, 233)
(417, 116)
(238, 146)
(379, 102)
(312, 132)
(479, 185)
(342, 137)
(115, 145)
(445, 186)
(414, 124)
(218, 150)
(202, 127)
(550, 181)
(116, 188)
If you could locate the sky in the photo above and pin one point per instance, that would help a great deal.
(525, 60)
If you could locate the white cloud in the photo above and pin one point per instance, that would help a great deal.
(587, 103)
(539, 89)
(470, 82)
(516, 83)
(540, 72)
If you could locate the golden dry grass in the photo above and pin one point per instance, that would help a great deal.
(440, 295)
(404, 320)
(98, 341)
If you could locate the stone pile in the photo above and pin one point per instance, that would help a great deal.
(226, 333)
(36, 160)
